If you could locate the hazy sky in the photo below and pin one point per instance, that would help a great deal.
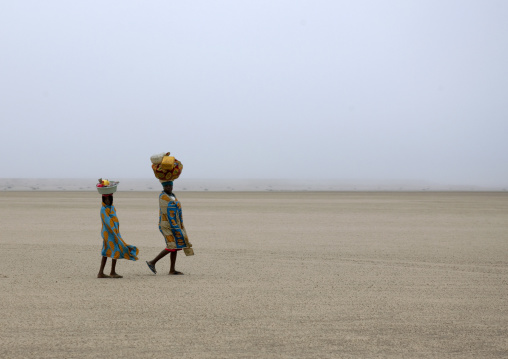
(256, 89)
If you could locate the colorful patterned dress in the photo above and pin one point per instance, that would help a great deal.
(171, 223)
(113, 245)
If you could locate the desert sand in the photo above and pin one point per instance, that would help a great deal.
(275, 275)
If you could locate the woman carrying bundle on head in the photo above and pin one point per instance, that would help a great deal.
(167, 169)
(113, 245)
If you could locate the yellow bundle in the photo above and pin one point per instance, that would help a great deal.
(168, 162)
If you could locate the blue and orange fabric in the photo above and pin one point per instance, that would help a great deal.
(113, 245)
(171, 222)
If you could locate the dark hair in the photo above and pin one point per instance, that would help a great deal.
(104, 199)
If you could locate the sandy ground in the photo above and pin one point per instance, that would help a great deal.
(275, 275)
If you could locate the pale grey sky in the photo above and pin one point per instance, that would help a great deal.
(371, 90)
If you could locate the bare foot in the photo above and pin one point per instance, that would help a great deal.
(102, 275)
(176, 273)
(115, 276)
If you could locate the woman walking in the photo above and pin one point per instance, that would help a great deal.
(113, 245)
(170, 213)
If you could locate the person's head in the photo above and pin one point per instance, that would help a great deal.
(168, 187)
(107, 199)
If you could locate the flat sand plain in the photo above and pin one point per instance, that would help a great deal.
(275, 275)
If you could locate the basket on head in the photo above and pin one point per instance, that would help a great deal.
(107, 190)
(165, 167)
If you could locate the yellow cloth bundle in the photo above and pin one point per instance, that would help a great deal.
(168, 163)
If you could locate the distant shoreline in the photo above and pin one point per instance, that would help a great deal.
(241, 185)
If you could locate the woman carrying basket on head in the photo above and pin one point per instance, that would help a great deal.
(113, 245)
(167, 169)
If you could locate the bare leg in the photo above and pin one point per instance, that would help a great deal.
(101, 270)
(173, 261)
(113, 274)
(161, 255)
